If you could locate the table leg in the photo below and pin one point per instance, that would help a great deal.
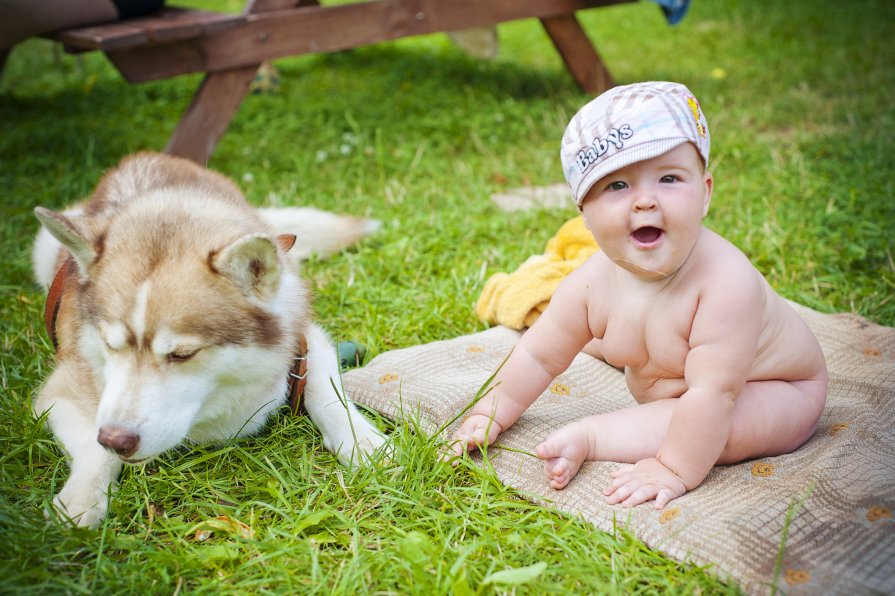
(208, 116)
(578, 53)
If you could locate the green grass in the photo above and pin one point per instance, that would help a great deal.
(419, 135)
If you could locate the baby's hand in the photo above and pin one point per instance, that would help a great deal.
(476, 431)
(644, 481)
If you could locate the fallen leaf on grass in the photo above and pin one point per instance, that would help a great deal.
(222, 523)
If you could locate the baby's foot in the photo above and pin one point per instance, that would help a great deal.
(563, 453)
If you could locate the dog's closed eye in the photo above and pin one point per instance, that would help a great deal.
(181, 355)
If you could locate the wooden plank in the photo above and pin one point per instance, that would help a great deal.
(578, 53)
(174, 24)
(167, 25)
(315, 29)
(210, 113)
(112, 36)
(255, 6)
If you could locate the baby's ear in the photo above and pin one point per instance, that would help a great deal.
(709, 184)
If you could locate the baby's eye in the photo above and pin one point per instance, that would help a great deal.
(668, 178)
(617, 185)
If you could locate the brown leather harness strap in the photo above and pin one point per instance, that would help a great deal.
(298, 375)
(54, 298)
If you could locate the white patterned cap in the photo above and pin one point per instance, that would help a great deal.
(628, 124)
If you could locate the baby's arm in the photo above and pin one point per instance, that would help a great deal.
(516, 389)
(543, 352)
(723, 340)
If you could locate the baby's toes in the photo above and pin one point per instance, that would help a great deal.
(556, 469)
(562, 457)
(560, 471)
(560, 482)
(548, 449)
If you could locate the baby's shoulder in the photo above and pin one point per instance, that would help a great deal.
(592, 273)
(725, 269)
(717, 253)
(597, 267)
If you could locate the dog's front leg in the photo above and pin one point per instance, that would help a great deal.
(346, 432)
(84, 498)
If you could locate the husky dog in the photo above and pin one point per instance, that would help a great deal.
(181, 319)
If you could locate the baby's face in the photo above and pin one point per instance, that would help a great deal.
(646, 216)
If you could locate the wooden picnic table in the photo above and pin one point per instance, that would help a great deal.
(229, 48)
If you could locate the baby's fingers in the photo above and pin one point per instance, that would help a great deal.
(468, 440)
(665, 495)
(452, 452)
(623, 471)
(641, 495)
(620, 490)
(461, 445)
(631, 495)
(620, 478)
(617, 494)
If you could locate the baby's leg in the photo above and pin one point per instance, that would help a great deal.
(594, 349)
(769, 418)
(626, 436)
(773, 418)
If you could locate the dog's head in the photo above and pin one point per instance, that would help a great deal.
(183, 313)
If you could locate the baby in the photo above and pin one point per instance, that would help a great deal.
(721, 367)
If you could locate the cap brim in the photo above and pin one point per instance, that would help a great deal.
(631, 154)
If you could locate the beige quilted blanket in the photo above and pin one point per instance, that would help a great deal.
(842, 539)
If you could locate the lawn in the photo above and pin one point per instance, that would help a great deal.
(418, 135)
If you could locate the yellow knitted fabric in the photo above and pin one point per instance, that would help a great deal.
(517, 299)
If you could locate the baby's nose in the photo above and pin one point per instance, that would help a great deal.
(644, 202)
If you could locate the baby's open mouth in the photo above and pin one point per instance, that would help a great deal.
(647, 235)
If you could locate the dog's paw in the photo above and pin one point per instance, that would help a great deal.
(356, 447)
(83, 512)
(369, 443)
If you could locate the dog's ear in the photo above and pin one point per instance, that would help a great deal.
(74, 234)
(286, 241)
(250, 263)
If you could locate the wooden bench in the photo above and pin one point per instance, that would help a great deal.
(229, 48)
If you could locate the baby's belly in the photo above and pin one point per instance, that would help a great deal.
(650, 387)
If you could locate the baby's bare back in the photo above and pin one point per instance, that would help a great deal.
(647, 328)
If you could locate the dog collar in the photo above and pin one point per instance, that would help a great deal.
(298, 375)
(54, 298)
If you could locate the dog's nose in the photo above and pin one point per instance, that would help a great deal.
(118, 439)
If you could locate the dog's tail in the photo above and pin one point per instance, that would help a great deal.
(318, 232)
